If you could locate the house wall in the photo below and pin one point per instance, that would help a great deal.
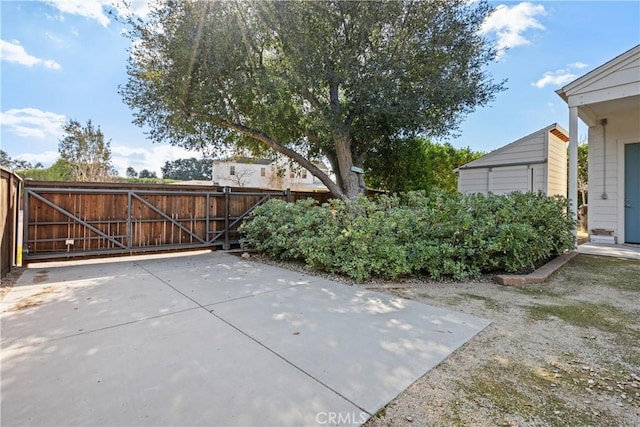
(557, 167)
(250, 175)
(622, 127)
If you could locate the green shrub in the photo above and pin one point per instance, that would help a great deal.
(443, 234)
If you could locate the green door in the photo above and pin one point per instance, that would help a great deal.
(632, 193)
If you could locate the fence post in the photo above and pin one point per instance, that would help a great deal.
(206, 221)
(25, 225)
(129, 228)
(287, 193)
(227, 191)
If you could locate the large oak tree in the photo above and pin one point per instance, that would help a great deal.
(315, 79)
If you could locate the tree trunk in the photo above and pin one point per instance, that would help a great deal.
(352, 182)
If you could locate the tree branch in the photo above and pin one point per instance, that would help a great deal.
(271, 143)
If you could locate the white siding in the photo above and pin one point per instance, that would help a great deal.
(504, 180)
(473, 181)
(539, 177)
(629, 73)
(605, 213)
(557, 167)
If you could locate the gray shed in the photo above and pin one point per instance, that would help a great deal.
(537, 162)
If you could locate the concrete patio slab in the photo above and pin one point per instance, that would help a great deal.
(210, 339)
(365, 345)
(186, 368)
(226, 278)
(604, 249)
(37, 313)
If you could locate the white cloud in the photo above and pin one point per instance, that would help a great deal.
(578, 65)
(57, 40)
(555, 78)
(32, 122)
(46, 157)
(14, 52)
(510, 23)
(151, 158)
(92, 9)
(559, 77)
(98, 9)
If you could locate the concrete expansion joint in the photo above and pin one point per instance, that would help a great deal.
(212, 312)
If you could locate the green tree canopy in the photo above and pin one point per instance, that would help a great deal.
(15, 164)
(61, 170)
(86, 150)
(308, 79)
(583, 170)
(188, 169)
(407, 164)
(146, 173)
(131, 172)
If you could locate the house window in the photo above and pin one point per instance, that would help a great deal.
(232, 170)
(263, 171)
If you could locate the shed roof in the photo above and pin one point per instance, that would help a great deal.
(486, 160)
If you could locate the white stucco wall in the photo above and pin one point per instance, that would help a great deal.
(258, 175)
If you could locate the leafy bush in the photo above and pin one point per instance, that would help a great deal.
(442, 234)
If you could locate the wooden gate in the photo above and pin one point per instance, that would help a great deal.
(64, 220)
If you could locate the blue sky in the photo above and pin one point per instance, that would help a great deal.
(63, 59)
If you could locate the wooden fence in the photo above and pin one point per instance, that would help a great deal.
(64, 220)
(9, 202)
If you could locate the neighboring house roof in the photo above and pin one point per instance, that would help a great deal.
(488, 159)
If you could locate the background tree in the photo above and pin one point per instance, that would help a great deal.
(332, 79)
(188, 169)
(15, 164)
(61, 170)
(583, 169)
(406, 164)
(146, 173)
(86, 150)
(131, 172)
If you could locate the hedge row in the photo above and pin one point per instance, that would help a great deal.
(442, 234)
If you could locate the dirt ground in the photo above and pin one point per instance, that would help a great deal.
(562, 353)
(7, 282)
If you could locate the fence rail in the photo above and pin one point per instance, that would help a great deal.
(64, 220)
(9, 204)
